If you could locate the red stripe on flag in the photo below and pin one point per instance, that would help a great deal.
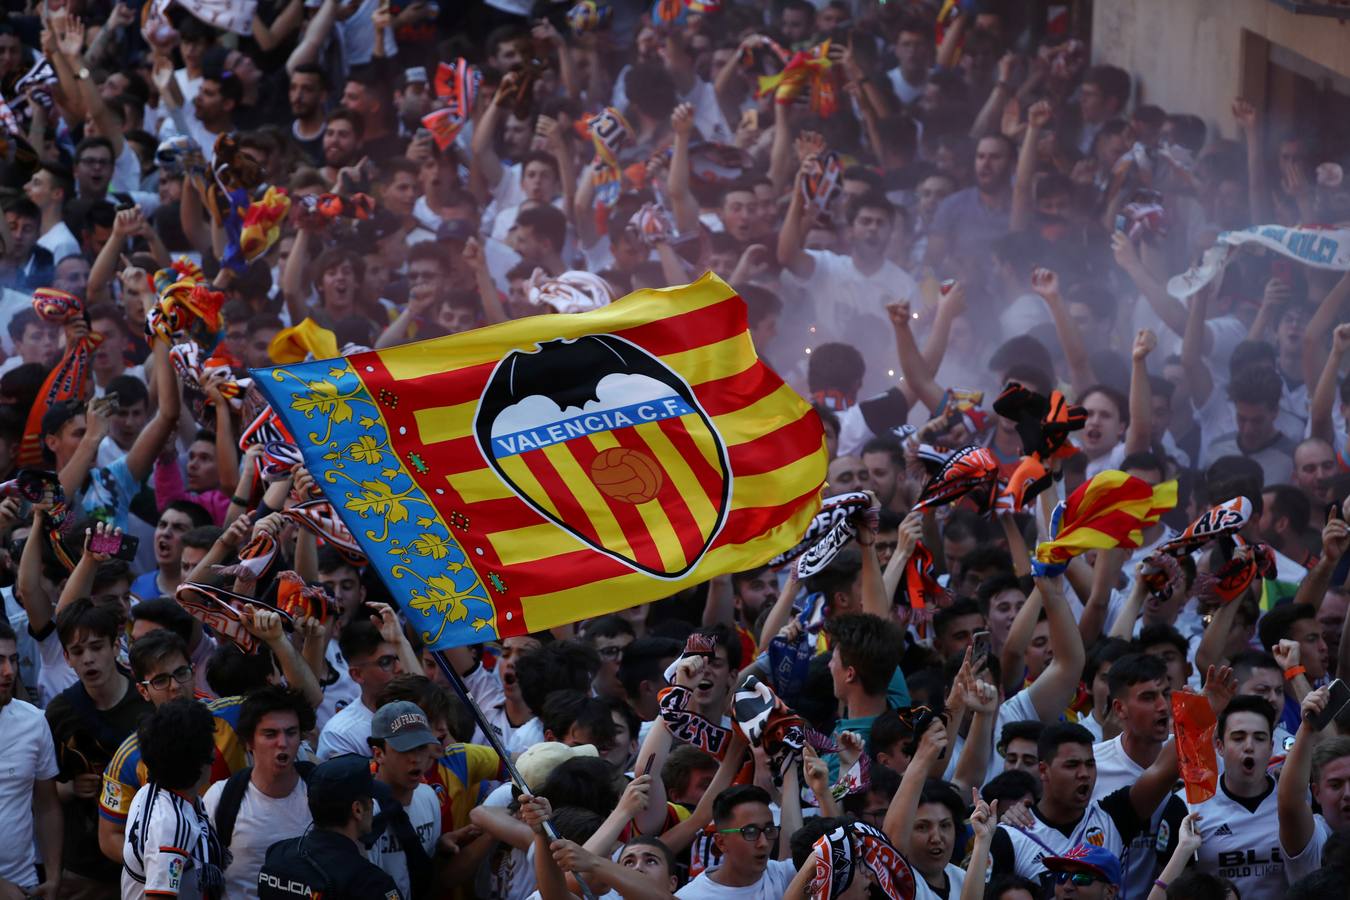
(645, 552)
(708, 477)
(690, 330)
(750, 522)
(777, 448)
(673, 505)
(727, 395)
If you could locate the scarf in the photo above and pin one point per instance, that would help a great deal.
(69, 380)
(842, 853)
(688, 727)
(223, 612)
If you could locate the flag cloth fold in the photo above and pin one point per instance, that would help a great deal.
(1110, 510)
(545, 470)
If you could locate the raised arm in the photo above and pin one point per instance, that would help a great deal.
(1164, 305)
(1329, 312)
(484, 155)
(28, 589)
(1045, 282)
(1258, 191)
(141, 456)
(912, 364)
(1139, 433)
(781, 610)
(1193, 350)
(683, 205)
(1335, 538)
(315, 36)
(1324, 395)
(1052, 691)
(1038, 116)
(899, 821)
(791, 254)
(1291, 796)
(265, 625)
(951, 304)
(1105, 573)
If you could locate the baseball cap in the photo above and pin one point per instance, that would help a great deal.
(538, 762)
(345, 778)
(402, 725)
(455, 230)
(1085, 858)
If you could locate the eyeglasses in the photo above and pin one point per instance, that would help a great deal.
(1079, 879)
(181, 675)
(751, 833)
(385, 663)
(610, 652)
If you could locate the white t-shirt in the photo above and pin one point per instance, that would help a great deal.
(851, 307)
(167, 849)
(1017, 708)
(956, 879)
(55, 675)
(262, 821)
(346, 732)
(771, 885)
(341, 693)
(526, 736)
(1303, 864)
(1241, 845)
(29, 755)
(60, 240)
(1116, 770)
(424, 812)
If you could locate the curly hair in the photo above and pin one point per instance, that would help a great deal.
(177, 741)
(270, 699)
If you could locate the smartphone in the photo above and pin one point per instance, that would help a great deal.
(1338, 697)
(1122, 223)
(979, 649)
(1283, 270)
(118, 546)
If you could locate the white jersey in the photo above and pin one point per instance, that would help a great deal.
(424, 812)
(1109, 822)
(1240, 841)
(170, 847)
(1116, 770)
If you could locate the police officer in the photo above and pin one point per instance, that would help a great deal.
(329, 860)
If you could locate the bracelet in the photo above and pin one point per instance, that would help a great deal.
(1293, 672)
(1160, 883)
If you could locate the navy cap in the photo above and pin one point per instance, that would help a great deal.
(402, 725)
(346, 778)
(455, 230)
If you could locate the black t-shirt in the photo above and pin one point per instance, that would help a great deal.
(86, 739)
(322, 862)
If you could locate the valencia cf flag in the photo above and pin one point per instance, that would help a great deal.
(559, 467)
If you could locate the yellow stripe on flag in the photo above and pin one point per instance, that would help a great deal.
(679, 472)
(532, 543)
(445, 423)
(774, 488)
(603, 524)
(758, 419)
(487, 345)
(520, 473)
(480, 484)
(714, 361)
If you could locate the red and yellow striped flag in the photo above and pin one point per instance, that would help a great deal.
(1110, 510)
(550, 469)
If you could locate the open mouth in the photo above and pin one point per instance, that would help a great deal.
(705, 685)
(1249, 764)
(1083, 793)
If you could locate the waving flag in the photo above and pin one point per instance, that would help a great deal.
(545, 470)
(1110, 510)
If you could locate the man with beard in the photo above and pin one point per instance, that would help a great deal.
(1325, 761)
(1141, 701)
(89, 721)
(306, 93)
(1239, 826)
(969, 221)
(268, 802)
(342, 135)
(29, 803)
(858, 286)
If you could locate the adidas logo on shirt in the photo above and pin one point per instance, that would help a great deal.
(1223, 830)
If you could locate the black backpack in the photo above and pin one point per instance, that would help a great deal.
(232, 797)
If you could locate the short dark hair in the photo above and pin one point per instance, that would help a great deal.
(547, 222)
(90, 143)
(938, 791)
(870, 644)
(943, 618)
(84, 616)
(1114, 83)
(1256, 384)
(1288, 502)
(231, 672)
(1132, 669)
(190, 508)
(167, 614)
(359, 638)
(1248, 661)
(584, 781)
(684, 760)
(607, 626)
(1160, 633)
(870, 200)
(129, 389)
(1010, 785)
(1278, 624)
(346, 115)
(737, 795)
(642, 661)
(203, 537)
(1057, 734)
(312, 69)
(834, 366)
(1023, 729)
(230, 86)
(1120, 400)
(1247, 703)
(1144, 459)
(557, 666)
(567, 708)
(177, 740)
(1105, 650)
(432, 699)
(19, 324)
(149, 650)
(270, 699)
(889, 729)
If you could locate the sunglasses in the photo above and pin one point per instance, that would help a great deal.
(1078, 879)
(751, 833)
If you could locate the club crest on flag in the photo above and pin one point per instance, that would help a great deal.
(619, 459)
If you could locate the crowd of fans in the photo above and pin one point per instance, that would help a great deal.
(919, 202)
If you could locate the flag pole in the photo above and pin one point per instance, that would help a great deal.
(460, 688)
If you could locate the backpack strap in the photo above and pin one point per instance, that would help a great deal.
(231, 797)
(419, 864)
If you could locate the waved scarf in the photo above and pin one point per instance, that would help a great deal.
(922, 588)
(570, 292)
(588, 15)
(823, 183)
(841, 854)
(42, 486)
(68, 380)
(1319, 246)
(318, 516)
(610, 133)
(856, 780)
(252, 227)
(299, 600)
(456, 84)
(1231, 578)
(301, 342)
(1043, 425)
(195, 373)
(834, 512)
(185, 308)
(806, 70)
(687, 726)
(255, 558)
(971, 471)
(1110, 510)
(223, 612)
(765, 721)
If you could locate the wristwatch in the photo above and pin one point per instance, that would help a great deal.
(83, 73)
